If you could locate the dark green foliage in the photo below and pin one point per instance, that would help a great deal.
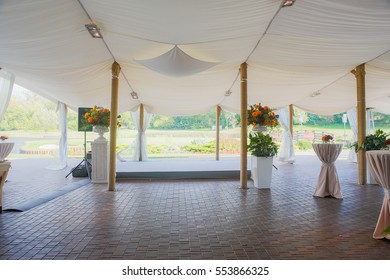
(372, 142)
(202, 121)
(261, 145)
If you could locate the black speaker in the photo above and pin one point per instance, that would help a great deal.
(83, 125)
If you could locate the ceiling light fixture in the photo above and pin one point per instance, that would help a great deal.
(288, 3)
(94, 30)
(134, 95)
(314, 94)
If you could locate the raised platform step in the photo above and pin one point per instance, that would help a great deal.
(202, 168)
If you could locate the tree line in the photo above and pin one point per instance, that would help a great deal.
(32, 112)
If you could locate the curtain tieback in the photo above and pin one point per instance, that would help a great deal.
(328, 164)
(387, 193)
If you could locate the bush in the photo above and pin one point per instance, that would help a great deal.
(303, 145)
(208, 147)
(156, 149)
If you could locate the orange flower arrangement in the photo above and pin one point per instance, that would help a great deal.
(99, 116)
(262, 115)
(327, 138)
(3, 137)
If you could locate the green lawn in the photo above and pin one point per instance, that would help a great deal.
(161, 143)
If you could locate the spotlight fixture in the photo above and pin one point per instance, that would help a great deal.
(228, 93)
(288, 3)
(134, 95)
(314, 94)
(94, 30)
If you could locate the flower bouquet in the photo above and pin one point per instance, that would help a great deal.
(327, 138)
(261, 116)
(99, 116)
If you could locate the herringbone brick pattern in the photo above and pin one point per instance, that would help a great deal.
(203, 219)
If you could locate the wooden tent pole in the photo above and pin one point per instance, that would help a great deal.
(244, 123)
(291, 109)
(113, 124)
(217, 131)
(360, 73)
(141, 125)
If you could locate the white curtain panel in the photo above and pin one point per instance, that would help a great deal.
(176, 63)
(286, 152)
(352, 119)
(370, 123)
(140, 149)
(6, 85)
(62, 109)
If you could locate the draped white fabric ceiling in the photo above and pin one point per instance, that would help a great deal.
(291, 52)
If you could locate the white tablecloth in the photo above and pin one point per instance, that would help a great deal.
(379, 162)
(4, 168)
(328, 181)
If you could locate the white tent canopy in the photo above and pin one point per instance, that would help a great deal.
(292, 52)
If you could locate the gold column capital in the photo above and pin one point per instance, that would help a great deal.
(359, 70)
(243, 71)
(116, 69)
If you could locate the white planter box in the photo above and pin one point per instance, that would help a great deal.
(262, 171)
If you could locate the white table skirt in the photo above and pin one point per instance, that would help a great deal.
(328, 181)
(379, 162)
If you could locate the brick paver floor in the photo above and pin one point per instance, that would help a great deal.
(199, 219)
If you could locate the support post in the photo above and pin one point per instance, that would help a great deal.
(217, 131)
(141, 126)
(113, 124)
(291, 109)
(360, 73)
(244, 126)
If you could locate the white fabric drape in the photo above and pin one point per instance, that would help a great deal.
(63, 144)
(325, 40)
(352, 119)
(176, 63)
(370, 126)
(6, 85)
(286, 152)
(140, 151)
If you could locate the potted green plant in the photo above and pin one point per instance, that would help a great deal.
(262, 145)
(376, 141)
(262, 149)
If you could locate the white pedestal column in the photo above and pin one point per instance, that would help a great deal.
(100, 160)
